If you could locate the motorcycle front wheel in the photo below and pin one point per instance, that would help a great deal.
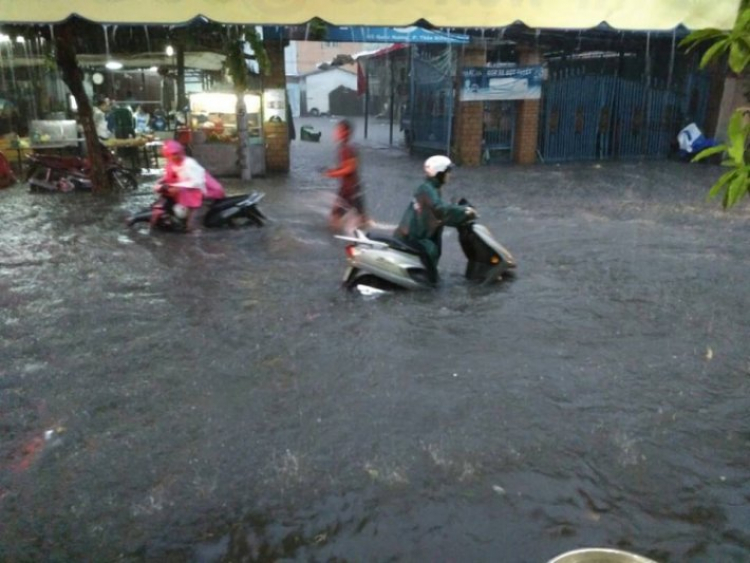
(122, 180)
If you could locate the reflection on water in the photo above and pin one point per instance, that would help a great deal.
(218, 398)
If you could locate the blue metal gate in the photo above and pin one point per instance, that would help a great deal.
(588, 116)
(431, 113)
(498, 131)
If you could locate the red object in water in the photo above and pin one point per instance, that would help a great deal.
(28, 454)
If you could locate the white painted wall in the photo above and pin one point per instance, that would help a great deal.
(319, 85)
(290, 59)
(292, 91)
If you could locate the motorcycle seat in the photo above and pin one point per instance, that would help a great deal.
(227, 202)
(397, 244)
(59, 161)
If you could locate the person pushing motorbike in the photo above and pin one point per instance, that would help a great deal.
(184, 182)
(422, 223)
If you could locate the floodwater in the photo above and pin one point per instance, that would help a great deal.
(219, 398)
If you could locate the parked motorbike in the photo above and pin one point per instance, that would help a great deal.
(386, 263)
(233, 211)
(7, 177)
(67, 173)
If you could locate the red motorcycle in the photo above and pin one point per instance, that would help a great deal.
(67, 173)
(7, 178)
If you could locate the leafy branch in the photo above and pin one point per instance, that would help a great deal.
(734, 183)
(735, 44)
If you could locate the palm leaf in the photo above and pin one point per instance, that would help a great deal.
(699, 36)
(714, 51)
(705, 153)
(720, 183)
(737, 188)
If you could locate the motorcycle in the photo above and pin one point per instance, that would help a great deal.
(232, 211)
(385, 263)
(7, 177)
(67, 173)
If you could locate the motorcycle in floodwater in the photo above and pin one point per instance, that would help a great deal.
(232, 211)
(385, 263)
(67, 173)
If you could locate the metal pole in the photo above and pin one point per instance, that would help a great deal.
(390, 64)
(367, 96)
(671, 59)
(452, 97)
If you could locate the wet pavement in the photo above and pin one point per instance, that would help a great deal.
(220, 398)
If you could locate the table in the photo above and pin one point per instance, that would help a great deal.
(140, 153)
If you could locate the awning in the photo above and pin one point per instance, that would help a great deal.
(379, 52)
(199, 60)
(578, 14)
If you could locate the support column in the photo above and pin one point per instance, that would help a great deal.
(527, 118)
(276, 133)
(468, 125)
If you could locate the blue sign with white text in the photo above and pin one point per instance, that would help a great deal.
(506, 83)
(410, 34)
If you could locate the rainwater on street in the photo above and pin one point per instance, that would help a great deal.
(220, 398)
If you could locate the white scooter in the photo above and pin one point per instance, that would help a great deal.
(385, 263)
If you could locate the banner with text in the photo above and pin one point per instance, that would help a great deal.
(512, 83)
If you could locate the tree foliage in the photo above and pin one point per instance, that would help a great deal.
(735, 45)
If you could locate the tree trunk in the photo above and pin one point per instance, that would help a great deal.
(242, 140)
(72, 75)
(180, 60)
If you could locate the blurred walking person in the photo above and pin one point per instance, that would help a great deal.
(350, 197)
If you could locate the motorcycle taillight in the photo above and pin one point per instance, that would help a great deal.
(350, 250)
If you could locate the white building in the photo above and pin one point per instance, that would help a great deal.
(332, 91)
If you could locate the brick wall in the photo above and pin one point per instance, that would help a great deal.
(468, 133)
(527, 131)
(467, 126)
(527, 118)
(276, 134)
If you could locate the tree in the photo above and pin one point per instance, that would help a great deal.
(236, 65)
(72, 75)
(736, 45)
(67, 38)
(231, 42)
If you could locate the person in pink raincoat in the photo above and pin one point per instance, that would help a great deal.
(185, 183)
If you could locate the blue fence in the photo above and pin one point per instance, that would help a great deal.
(431, 113)
(597, 117)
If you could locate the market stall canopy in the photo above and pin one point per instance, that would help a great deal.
(578, 14)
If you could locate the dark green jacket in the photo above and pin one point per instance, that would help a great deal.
(427, 212)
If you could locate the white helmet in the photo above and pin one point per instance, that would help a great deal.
(437, 164)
